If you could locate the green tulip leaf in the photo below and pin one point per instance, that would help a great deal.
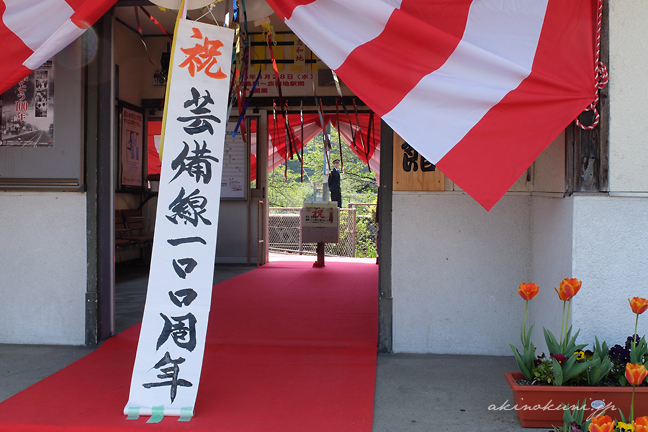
(568, 418)
(574, 371)
(623, 419)
(552, 344)
(521, 365)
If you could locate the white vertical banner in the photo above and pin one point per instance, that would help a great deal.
(172, 340)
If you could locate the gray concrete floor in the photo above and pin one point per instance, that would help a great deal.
(414, 392)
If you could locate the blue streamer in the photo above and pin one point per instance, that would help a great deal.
(247, 104)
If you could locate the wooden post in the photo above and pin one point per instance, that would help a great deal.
(320, 255)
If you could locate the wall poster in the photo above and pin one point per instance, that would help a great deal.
(27, 110)
(132, 128)
(234, 183)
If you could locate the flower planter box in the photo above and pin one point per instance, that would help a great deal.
(541, 406)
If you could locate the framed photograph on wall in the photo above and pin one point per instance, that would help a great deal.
(131, 147)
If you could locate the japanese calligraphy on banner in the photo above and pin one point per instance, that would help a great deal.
(27, 110)
(172, 340)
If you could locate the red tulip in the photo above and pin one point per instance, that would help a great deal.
(568, 288)
(602, 423)
(641, 424)
(635, 373)
(639, 305)
(528, 290)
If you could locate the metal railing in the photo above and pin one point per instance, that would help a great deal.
(358, 231)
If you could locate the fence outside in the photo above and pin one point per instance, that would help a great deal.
(358, 230)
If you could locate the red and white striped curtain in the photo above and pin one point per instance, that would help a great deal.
(364, 142)
(33, 31)
(478, 87)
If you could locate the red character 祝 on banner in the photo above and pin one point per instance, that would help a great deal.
(203, 56)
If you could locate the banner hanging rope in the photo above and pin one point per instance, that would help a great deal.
(600, 73)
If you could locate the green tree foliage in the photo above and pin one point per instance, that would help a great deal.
(358, 183)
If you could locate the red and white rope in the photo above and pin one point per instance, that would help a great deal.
(600, 73)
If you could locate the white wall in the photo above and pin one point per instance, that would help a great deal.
(628, 95)
(43, 270)
(456, 268)
(611, 258)
(610, 234)
(43, 259)
(455, 272)
(551, 262)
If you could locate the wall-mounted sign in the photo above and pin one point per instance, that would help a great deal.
(27, 110)
(412, 172)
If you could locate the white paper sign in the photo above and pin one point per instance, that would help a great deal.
(320, 214)
(172, 340)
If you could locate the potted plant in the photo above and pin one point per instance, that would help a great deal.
(544, 386)
(575, 421)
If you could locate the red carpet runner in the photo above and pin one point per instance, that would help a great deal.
(290, 348)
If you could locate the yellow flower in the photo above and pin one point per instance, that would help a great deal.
(580, 355)
(625, 427)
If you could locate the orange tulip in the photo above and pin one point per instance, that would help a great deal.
(528, 290)
(602, 423)
(568, 288)
(635, 373)
(641, 424)
(639, 305)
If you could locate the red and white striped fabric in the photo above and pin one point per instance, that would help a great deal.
(479, 87)
(32, 31)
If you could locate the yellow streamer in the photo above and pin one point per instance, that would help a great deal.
(168, 85)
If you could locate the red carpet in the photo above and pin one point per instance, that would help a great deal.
(290, 348)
